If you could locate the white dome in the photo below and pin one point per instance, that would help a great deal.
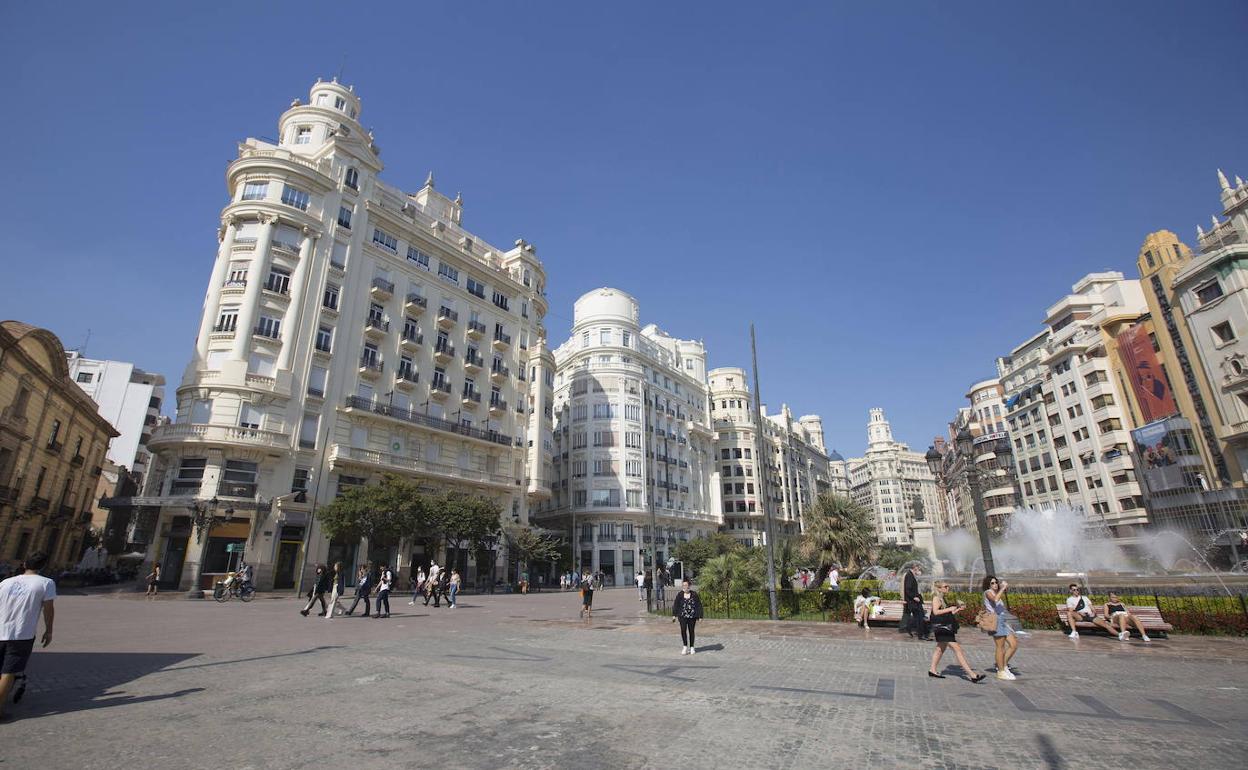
(605, 304)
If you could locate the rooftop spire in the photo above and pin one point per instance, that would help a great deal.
(1200, 232)
(1222, 180)
(429, 180)
(1214, 217)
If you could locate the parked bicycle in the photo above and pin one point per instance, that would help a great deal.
(231, 587)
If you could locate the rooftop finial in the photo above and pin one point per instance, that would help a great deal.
(429, 180)
(1200, 232)
(459, 199)
(1214, 217)
(1222, 180)
(1238, 182)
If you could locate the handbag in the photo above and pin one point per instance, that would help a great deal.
(986, 621)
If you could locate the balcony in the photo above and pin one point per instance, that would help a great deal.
(497, 406)
(8, 494)
(370, 367)
(411, 340)
(236, 287)
(207, 433)
(426, 421)
(473, 361)
(499, 373)
(55, 447)
(367, 458)
(77, 461)
(415, 303)
(376, 328)
(235, 489)
(471, 398)
(502, 341)
(381, 289)
(476, 329)
(406, 379)
(443, 351)
(316, 392)
(39, 505)
(447, 318)
(280, 288)
(440, 390)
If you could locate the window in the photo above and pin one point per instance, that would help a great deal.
(501, 300)
(344, 217)
(85, 377)
(250, 416)
(190, 475)
(370, 357)
(279, 281)
(293, 196)
(1223, 333)
(375, 314)
(1209, 292)
(268, 327)
(352, 179)
(385, 239)
(254, 191)
(239, 479)
(330, 298)
(308, 430)
(228, 320)
(604, 337)
(476, 288)
(448, 273)
(317, 376)
(439, 378)
(324, 338)
(340, 103)
(303, 135)
(1148, 257)
(419, 257)
(301, 480)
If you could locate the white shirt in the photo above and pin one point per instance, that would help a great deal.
(834, 578)
(641, 580)
(1073, 603)
(21, 599)
(386, 579)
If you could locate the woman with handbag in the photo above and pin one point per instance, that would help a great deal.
(991, 619)
(945, 629)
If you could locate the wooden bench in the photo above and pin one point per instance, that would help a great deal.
(1150, 618)
(890, 612)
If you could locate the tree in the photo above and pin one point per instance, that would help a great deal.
(530, 545)
(786, 556)
(463, 518)
(383, 513)
(693, 554)
(734, 571)
(838, 531)
(894, 557)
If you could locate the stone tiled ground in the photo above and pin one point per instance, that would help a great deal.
(512, 681)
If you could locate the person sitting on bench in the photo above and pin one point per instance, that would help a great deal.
(865, 607)
(1079, 609)
(1117, 612)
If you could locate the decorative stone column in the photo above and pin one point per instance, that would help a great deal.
(212, 300)
(255, 280)
(299, 284)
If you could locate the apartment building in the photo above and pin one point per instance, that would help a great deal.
(993, 457)
(349, 329)
(53, 442)
(632, 435)
(890, 479)
(129, 398)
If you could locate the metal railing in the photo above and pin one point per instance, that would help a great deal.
(416, 418)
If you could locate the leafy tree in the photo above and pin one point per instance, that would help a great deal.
(697, 552)
(383, 513)
(838, 531)
(460, 517)
(731, 572)
(893, 557)
(530, 545)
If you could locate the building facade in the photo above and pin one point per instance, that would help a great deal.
(889, 479)
(797, 468)
(53, 443)
(632, 437)
(129, 398)
(349, 330)
(986, 422)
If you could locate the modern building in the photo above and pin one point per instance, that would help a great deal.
(129, 398)
(349, 330)
(633, 439)
(993, 457)
(797, 469)
(52, 446)
(890, 479)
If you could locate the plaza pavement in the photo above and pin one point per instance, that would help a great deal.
(520, 681)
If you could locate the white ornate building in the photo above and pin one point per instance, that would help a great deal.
(889, 479)
(632, 430)
(349, 329)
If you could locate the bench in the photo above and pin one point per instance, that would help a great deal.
(1150, 618)
(890, 612)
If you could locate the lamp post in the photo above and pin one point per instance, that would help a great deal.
(203, 517)
(964, 449)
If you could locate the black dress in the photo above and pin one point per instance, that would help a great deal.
(945, 626)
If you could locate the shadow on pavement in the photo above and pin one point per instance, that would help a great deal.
(63, 682)
(1052, 759)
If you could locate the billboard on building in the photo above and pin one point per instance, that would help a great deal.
(1159, 458)
(1152, 392)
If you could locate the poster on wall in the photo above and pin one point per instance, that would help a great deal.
(1148, 382)
(1159, 460)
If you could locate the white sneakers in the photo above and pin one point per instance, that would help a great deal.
(1124, 636)
(692, 649)
(1006, 675)
(1144, 637)
(684, 650)
(1073, 634)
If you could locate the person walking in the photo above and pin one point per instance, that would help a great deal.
(687, 610)
(22, 598)
(338, 585)
(1117, 612)
(640, 580)
(834, 578)
(320, 585)
(1003, 637)
(914, 603)
(444, 587)
(385, 579)
(587, 597)
(945, 629)
(453, 587)
(363, 588)
(153, 578)
(418, 584)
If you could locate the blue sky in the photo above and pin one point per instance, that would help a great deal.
(893, 193)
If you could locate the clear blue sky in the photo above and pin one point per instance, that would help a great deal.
(893, 192)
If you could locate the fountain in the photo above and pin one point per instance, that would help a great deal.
(887, 578)
(1166, 545)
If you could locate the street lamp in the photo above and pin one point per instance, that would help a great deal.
(203, 517)
(964, 449)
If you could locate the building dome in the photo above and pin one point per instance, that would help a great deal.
(605, 304)
(835, 457)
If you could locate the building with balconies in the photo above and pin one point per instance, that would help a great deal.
(53, 443)
(889, 479)
(632, 435)
(129, 398)
(319, 364)
(993, 456)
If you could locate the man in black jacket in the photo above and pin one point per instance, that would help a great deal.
(363, 588)
(914, 602)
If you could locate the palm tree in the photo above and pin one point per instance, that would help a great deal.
(730, 572)
(838, 531)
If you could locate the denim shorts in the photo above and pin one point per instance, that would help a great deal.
(1003, 628)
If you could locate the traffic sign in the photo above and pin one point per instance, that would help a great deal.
(233, 547)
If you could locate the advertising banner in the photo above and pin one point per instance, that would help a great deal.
(1159, 460)
(1145, 375)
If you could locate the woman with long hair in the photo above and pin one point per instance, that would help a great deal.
(338, 585)
(687, 609)
(320, 584)
(945, 629)
(1003, 636)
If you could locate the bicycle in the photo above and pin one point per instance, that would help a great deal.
(244, 591)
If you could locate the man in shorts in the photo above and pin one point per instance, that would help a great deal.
(21, 599)
(1079, 609)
